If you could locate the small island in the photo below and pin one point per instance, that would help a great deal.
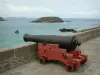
(48, 20)
(1, 19)
(67, 30)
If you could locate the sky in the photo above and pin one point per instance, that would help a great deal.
(60, 8)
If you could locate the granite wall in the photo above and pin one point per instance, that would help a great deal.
(88, 35)
(16, 56)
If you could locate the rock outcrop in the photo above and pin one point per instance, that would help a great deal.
(48, 20)
(67, 30)
(1, 19)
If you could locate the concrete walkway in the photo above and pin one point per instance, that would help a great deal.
(92, 67)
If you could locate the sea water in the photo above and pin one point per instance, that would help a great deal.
(9, 38)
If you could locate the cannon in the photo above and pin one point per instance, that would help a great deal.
(61, 48)
(66, 42)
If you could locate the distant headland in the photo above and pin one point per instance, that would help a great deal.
(1, 19)
(48, 20)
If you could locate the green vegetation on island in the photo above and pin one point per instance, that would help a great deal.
(48, 20)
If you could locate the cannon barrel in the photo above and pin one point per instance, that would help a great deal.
(66, 42)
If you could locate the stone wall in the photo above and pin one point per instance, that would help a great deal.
(16, 56)
(88, 35)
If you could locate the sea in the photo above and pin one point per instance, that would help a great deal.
(9, 38)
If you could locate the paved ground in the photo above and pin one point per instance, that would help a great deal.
(92, 67)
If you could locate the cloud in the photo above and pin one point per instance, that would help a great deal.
(22, 9)
(85, 13)
(61, 8)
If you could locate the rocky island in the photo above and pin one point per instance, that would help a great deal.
(67, 30)
(48, 20)
(1, 19)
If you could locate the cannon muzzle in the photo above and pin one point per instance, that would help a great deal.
(66, 42)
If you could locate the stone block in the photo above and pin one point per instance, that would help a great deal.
(1, 68)
(27, 59)
(23, 60)
(6, 65)
(14, 61)
(32, 49)
(21, 52)
(5, 55)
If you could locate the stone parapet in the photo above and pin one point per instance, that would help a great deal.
(88, 35)
(15, 56)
